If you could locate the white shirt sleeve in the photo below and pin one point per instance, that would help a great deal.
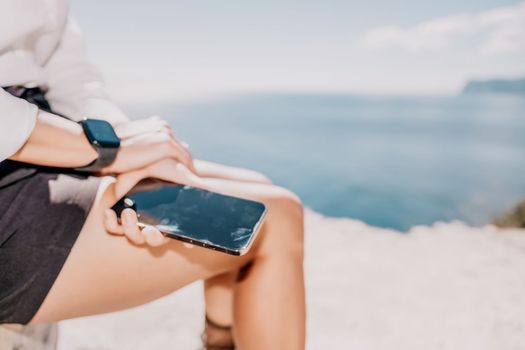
(76, 88)
(17, 120)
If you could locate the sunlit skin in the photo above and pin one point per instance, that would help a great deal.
(115, 266)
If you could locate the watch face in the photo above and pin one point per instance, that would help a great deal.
(101, 133)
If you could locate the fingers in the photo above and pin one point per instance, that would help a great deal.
(172, 171)
(185, 145)
(111, 223)
(155, 130)
(129, 227)
(148, 137)
(148, 235)
(141, 126)
(168, 147)
(154, 237)
(146, 141)
(183, 155)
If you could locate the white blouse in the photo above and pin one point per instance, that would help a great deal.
(41, 46)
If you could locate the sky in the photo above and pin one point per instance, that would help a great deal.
(171, 49)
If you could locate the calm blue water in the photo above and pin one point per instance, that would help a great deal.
(391, 162)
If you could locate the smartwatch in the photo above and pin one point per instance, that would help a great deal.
(104, 140)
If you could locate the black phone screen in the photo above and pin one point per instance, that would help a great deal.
(198, 216)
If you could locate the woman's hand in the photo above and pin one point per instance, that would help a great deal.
(149, 149)
(145, 142)
(57, 142)
(129, 227)
(128, 224)
(168, 170)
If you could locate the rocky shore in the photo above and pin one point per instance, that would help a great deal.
(514, 218)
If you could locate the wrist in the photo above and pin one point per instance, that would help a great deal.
(90, 153)
(103, 140)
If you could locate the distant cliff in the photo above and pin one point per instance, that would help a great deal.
(514, 218)
(495, 86)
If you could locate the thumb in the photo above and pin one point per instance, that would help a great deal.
(126, 181)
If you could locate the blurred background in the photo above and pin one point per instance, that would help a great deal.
(397, 113)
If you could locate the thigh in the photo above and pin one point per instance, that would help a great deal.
(214, 170)
(105, 273)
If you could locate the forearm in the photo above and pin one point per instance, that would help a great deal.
(56, 142)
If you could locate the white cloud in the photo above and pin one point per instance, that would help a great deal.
(501, 30)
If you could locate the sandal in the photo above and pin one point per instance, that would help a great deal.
(216, 336)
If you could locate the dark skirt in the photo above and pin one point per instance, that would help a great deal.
(42, 211)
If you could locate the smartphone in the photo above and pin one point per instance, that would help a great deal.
(193, 215)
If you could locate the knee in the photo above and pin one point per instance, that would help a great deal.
(286, 215)
(288, 204)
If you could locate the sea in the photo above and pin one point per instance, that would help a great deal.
(390, 161)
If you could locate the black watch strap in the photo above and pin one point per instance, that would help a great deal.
(106, 156)
(104, 140)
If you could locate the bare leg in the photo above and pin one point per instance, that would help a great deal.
(218, 290)
(219, 171)
(106, 273)
(218, 323)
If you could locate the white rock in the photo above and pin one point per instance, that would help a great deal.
(448, 286)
